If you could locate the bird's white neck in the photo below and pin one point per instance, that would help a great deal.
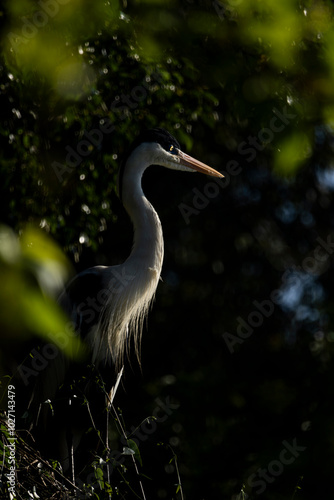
(126, 309)
(147, 248)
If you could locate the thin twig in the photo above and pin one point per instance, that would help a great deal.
(177, 472)
(133, 458)
(111, 397)
(93, 423)
(298, 487)
(71, 442)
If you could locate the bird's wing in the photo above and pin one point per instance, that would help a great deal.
(83, 298)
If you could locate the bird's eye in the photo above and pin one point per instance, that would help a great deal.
(172, 150)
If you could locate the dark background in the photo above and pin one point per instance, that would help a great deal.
(214, 74)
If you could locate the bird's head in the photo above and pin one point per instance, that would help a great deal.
(158, 147)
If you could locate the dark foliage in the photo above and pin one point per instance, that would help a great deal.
(240, 339)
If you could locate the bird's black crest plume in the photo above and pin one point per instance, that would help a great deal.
(159, 135)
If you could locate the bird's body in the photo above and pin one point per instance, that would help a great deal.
(124, 293)
(107, 305)
(118, 297)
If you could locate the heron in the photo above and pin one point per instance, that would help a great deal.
(108, 304)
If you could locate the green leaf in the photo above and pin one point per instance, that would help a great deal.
(292, 154)
(99, 476)
(133, 446)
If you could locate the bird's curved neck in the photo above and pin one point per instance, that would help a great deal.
(139, 275)
(148, 238)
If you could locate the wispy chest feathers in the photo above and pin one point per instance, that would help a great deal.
(125, 310)
(130, 287)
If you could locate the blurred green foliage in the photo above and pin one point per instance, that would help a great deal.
(247, 81)
(33, 270)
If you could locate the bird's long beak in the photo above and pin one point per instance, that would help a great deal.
(190, 162)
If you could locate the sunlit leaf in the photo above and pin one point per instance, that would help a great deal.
(30, 268)
(38, 246)
(44, 317)
(9, 245)
(133, 448)
(292, 153)
(43, 42)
